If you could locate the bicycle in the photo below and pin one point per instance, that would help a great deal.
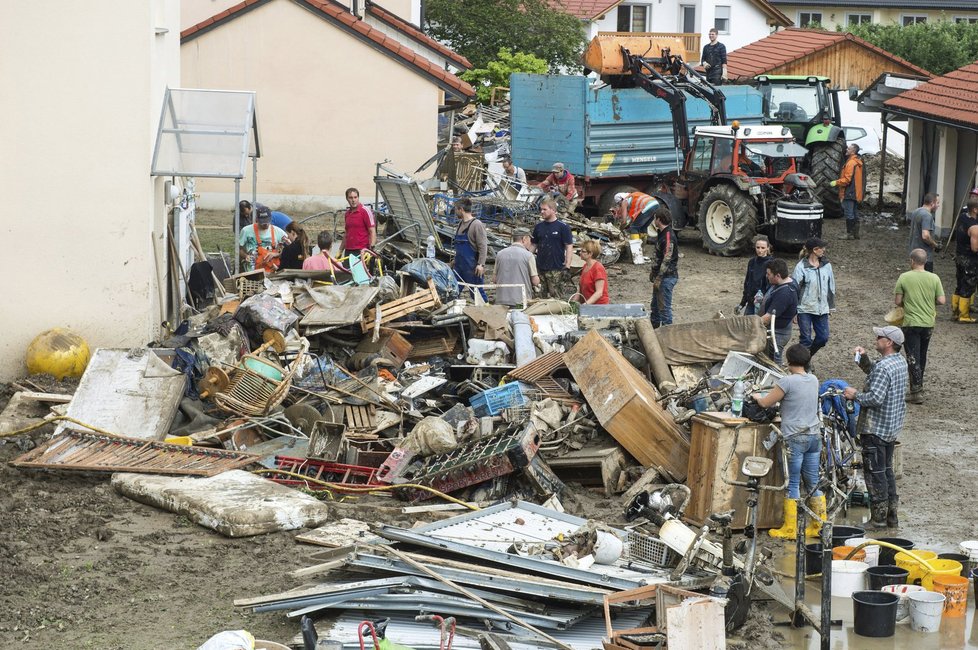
(840, 453)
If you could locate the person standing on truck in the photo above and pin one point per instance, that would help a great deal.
(561, 181)
(665, 269)
(714, 59)
(553, 243)
(755, 282)
(851, 187)
(634, 211)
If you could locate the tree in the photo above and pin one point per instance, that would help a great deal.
(496, 73)
(479, 29)
(939, 47)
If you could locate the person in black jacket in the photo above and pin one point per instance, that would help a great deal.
(714, 59)
(756, 278)
(664, 274)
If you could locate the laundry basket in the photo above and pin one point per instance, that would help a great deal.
(258, 384)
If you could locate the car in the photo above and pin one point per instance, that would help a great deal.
(869, 143)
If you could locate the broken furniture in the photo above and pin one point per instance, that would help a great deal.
(258, 384)
(396, 309)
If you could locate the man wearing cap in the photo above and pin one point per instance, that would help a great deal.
(919, 292)
(563, 182)
(816, 295)
(635, 210)
(261, 242)
(516, 265)
(881, 416)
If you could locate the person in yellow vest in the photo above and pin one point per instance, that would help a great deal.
(851, 187)
(634, 210)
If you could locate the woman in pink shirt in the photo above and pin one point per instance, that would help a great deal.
(361, 230)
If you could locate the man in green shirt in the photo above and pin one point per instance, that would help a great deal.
(919, 292)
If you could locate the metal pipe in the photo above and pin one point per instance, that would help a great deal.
(825, 624)
(237, 224)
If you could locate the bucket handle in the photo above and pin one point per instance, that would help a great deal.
(910, 554)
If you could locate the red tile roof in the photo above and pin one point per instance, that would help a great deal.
(953, 97)
(413, 32)
(585, 9)
(340, 16)
(791, 44)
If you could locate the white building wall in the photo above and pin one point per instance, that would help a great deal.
(85, 83)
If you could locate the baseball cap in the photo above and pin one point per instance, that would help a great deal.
(263, 214)
(814, 242)
(558, 167)
(620, 196)
(521, 232)
(895, 334)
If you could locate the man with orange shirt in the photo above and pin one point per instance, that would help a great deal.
(635, 210)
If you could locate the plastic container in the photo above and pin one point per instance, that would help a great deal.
(926, 609)
(430, 248)
(955, 590)
(842, 553)
(903, 591)
(887, 554)
(813, 558)
(939, 568)
(974, 580)
(848, 577)
(874, 613)
(842, 533)
(880, 576)
(872, 551)
(494, 400)
(916, 569)
(737, 396)
(958, 557)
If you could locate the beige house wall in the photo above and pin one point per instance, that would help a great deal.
(195, 11)
(84, 87)
(329, 106)
(837, 16)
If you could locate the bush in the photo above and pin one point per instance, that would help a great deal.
(496, 73)
(937, 47)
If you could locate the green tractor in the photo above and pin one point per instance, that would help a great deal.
(807, 106)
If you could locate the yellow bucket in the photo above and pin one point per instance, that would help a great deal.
(916, 569)
(940, 568)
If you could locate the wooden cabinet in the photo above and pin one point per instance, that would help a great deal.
(711, 442)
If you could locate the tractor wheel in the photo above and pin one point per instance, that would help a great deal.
(728, 221)
(607, 200)
(825, 165)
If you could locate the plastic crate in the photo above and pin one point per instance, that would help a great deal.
(648, 549)
(494, 400)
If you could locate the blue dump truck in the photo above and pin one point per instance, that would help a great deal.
(733, 182)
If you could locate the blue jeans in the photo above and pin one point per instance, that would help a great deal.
(781, 337)
(849, 209)
(661, 306)
(804, 451)
(809, 322)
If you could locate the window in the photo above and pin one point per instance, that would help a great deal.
(913, 20)
(966, 19)
(806, 18)
(687, 17)
(860, 19)
(702, 152)
(633, 18)
(721, 19)
(723, 156)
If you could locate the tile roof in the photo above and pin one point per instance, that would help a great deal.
(794, 43)
(339, 15)
(775, 14)
(952, 98)
(585, 9)
(410, 30)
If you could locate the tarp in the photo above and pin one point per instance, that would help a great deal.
(440, 273)
(336, 305)
(709, 341)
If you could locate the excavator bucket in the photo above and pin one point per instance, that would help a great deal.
(603, 54)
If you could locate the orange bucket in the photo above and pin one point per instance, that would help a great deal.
(955, 590)
(842, 553)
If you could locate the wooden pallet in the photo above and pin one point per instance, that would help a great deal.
(539, 368)
(92, 452)
(360, 419)
(391, 311)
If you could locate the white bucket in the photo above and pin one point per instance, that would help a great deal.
(926, 609)
(903, 591)
(608, 548)
(872, 551)
(636, 249)
(848, 576)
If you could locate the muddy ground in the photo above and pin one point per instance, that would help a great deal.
(82, 567)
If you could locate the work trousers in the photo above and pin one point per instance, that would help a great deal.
(878, 468)
(915, 344)
(807, 323)
(661, 304)
(804, 451)
(849, 210)
(967, 275)
(781, 337)
(553, 284)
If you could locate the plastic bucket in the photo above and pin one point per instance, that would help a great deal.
(939, 568)
(848, 577)
(813, 558)
(974, 579)
(958, 557)
(926, 609)
(841, 533)
(955, 590)
(842, 553)
(874, 613)
(872, 551)
(903, 591)
(970, 548)
(880, 576)
(916, 569)
(886, 554)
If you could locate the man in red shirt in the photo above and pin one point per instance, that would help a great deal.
(361, 230)
(563, 181)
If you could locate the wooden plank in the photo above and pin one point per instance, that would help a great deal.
(424, 299)
(46, 397)
(626, 405)
(696, 624)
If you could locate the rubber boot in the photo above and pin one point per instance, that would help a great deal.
(955, 306)
(855, 228)
(915, 396)
(964, 311)
(814, 526)
(878, 511)
(892, 520)
(789, 529)
(848, 234)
